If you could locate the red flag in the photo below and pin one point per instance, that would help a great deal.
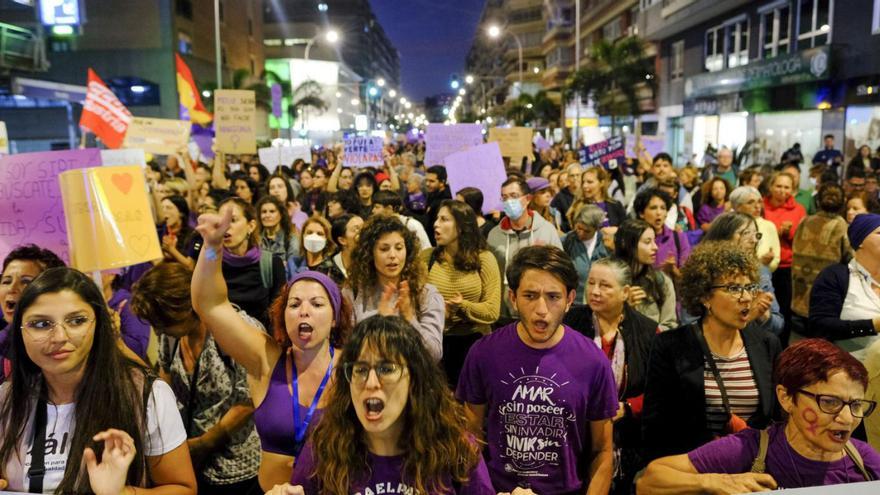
(189, 93)
(103, 113)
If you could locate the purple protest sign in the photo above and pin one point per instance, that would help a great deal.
(481, 167)
(541, 143)
(653, 145)
(276, 100)
(31, 210)
(608, 153)
(443, 140)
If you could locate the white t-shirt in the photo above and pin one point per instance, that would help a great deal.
(165, 432)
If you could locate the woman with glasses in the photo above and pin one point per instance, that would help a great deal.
(71, 389)
(287, 371)
(711, 377)
(743, 230)
(747, 200)
(822, 390)
(390, 421)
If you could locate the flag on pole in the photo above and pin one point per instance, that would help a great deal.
(190, 99)
(103, 114)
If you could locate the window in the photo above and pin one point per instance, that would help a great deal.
(714, 49)
(776, 30)
(814, 28)
(184, 43)
(875, 24)
(611, 31)
(185, 8)
(676, 66)
(738, 43)
(727, 45)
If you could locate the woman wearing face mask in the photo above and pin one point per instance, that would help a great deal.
(375, 434)
(387, 278)
(277, 235)
(822, 390)
(288, 371)
(316, 251)
(254, 276)
(346, 229)
(652, 293)
(711, 378)
(70, 385)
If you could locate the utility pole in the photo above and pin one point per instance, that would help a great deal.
(575, 138)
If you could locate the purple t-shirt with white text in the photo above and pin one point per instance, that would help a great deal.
(736, 453)
(386, 477)
(539, 403)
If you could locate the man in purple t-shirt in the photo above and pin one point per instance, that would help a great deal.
(548, 391)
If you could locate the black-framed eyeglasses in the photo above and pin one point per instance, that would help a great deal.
(358, 373)
(757, 235)
(737, 290)
(830, 404)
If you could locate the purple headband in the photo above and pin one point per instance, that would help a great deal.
(329, 285)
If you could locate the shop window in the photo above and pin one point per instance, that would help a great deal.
(676, 66)
(776, 30)
(814, 27)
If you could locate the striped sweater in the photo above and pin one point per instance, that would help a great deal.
(481, 291)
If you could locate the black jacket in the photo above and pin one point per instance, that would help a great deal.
(826, 302)
(674, 414)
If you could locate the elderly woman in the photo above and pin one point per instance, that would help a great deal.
(822, 390)
(844, 304)
(743, 230)
(624, 335)
(585, 243)
(747, 199)
(712, 377)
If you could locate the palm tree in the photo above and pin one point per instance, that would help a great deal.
(614, 77)
(537, 109)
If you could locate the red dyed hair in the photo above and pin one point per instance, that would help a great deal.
(814, 360)
(338, 334)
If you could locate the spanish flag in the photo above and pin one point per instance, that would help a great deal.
(190, 99)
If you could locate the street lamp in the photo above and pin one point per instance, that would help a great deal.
(392, 93)
(331, 37)
(469, 79)
(462, 92)
(495, 32)
(380, 82)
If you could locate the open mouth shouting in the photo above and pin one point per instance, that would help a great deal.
(374, 407)
(304, 332)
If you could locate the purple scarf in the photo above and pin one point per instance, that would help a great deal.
(249, 258)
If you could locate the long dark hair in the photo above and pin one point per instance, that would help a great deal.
(626, 247)
(284, 224)
(470, 242)
(110, 394)
(435, 426)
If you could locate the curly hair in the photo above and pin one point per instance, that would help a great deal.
(338, 334)
(435, 425)
(363, 276)
(709, 262)
(470, 242)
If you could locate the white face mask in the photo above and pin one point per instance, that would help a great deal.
(314, 243)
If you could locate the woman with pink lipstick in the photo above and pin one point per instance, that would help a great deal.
(711, 378)
(388, 278)
(822, 390)
(652, 293)
(391, 421)
(288, 371)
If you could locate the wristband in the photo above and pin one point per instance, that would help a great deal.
(210, 253)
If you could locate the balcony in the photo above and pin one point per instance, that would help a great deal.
(21, 49)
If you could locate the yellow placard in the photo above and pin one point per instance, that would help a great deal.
(515, 142)
(235, 121)
(159, 136)
(109, 223)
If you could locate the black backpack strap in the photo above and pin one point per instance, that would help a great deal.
(432, 259)
(37, 471)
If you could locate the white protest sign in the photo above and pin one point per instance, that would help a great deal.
(123, 157)
(159, 136)
(235, 121)
(363, 152)
(481, 167)
(4, 139)
(443, 140)
(274, 156)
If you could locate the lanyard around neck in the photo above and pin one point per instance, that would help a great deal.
(301, 427)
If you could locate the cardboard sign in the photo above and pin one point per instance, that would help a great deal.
(363, 152)
(31, 210)
(481, 167)
(275, 156)
(608, 153)
(443, 140)
(4, 139)
(235, 121)
(124, 157)
(653, 145)
(515, 142)
(109, 223)
(158, 136)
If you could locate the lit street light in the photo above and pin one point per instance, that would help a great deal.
(495, 32)
(392, 93)
(331, 37)
(462, 92)
(373, 91)
(469, 79)
(381, 82)
(355, 102)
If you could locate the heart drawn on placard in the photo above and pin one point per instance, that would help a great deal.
(140, 244)
(123, 182)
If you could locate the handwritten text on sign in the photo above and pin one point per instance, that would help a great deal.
(31, 210)
(159, 136)
(608, 153)
(363, 152)
(235, 121)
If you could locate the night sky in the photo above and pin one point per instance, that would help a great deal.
(433, 38)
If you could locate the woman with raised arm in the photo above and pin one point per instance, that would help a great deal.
(288, 371)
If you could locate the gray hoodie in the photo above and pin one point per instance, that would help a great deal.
(504, 243)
